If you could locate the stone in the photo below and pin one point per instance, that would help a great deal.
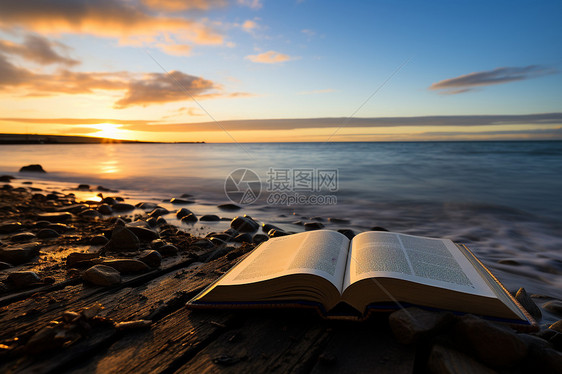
(59, 227)
(90, 213)
(444, 360)
(541, 358)
(101, 275)
(105, 209)
(33, 168)
(127, 265)
(244, 224)
(144, 234)
(47, 234)
(22, 237)
(243, 238)
(190, 218)
(495, 346)
(229, 207)
(338, 220)
(168, 250)
(526, 302)
(217, 241)
(74, 208)
(108, 200)
(313, 226)
(183, 212)
(158, 211)
(4, 265)
(99, 240)
(177, 201)
(266, 227)
(76, 258)
(83, 187)
(152, 222)
(23, 279)
(160, 221)
(151, 257)
(556, 341)
(556, 326)
(122, 207)
(158, 243)
(210, 218)
(55, 217)
(348, 233)
(554, 306)
(8, 228)
(203, 243)
(6, 178)
(276, 233)
(260, 238)
(410, 325)
(378, 228)
(19, 254)
(123, 239)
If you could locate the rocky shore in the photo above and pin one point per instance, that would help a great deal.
(76, 276)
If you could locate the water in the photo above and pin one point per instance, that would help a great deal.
(502, 199)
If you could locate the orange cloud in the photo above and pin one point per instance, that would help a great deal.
(37, 49)
(269, 57)
(175, 5)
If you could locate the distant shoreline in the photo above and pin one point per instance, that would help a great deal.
(69, 139)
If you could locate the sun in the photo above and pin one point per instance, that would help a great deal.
(109, 130)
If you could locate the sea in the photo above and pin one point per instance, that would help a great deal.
(500, 198)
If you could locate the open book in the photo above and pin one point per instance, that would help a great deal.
(350, 278)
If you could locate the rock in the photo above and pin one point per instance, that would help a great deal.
(243, 238)
(260, 238)
(168, 250)
(105, 189)
(59, 227)
(6, 178)
(528, 303)
(108, 200)
(348, 233)
(244, 224)
(101, 275)
(493, 345)
(152, 222)
(105, 209)
(123, 239)
(75, 258)
(210, 218)
(90, 213)
(74, 208)
(83, 187)
(20, 254)
(122, 207)
(378, 228)
(176, 201)
(158, 243)
(24, 279)
(556, 341)
(183, 212)
(151, 257)
(556, 326)
(8, 228)
(55, 217)
(127, 265)
(47, 234)
(276, 233)
(144, 234)
(160, 221)
(99, 240)
(4, 265)
(190, 218)
(22, 237)
(7, 187)
(217, 241)
(443, 360)
(541, 358)
(267, 227)
(313, 226)
(554, 306)
(226, 207)
(410, 325)
(338, 220)
(34, 168)
(203, 243)
(159, 211)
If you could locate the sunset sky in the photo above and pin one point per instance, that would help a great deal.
(293, 70)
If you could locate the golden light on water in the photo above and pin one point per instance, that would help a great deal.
(109, 167)
(110, 130)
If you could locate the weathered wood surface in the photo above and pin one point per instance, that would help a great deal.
(182, 340)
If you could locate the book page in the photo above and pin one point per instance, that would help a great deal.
(321, 252)
(435, 262)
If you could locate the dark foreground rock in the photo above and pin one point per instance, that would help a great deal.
(34, 168)
(102, 275)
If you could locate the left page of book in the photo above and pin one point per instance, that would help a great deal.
(322, 253)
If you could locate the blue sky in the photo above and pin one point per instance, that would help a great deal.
(260, 59)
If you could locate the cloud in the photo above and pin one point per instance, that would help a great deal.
(162, 88)
(176, 49)
(249, 25)
(254, 4)
(177, 5)
(314, 92)
(37, 49)
(126, 21)
(269, 57)
(465, 83)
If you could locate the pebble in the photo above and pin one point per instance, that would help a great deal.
(122, 239)
(144, 234)
(33, 168)
(556, 326)
(276, 233)
(168, 250)
(8, 228)
(90, 213)
(160, 221)
(190, 218)
(76, 258)
(244, 224)
(83, 187)
(229, 207)
(101, 275)
(122, 207)
(22, 237)
(243, 238)
(266, 227)
(493, 345)
(526, 302)
(378, 228)
(410, 325)
(313, 226)
(127, 265)
(55, 217)
(203, 243)
(177, 201)
(210, 218)
(6, 178)
(554, 306)
(260, 238)
(23, 279)
(158, 211)
(338, 220)
(4, 265)
(105, 209)
(59, 227)
(99, 240)
(47, 234)
(151, 257)
(347, 232)
(19, 254)
(444, 360)
(183, 212)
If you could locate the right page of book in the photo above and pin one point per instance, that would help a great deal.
(435, 262)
